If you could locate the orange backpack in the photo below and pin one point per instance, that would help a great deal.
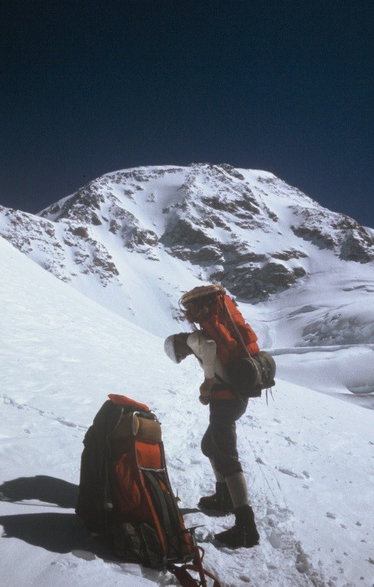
(125, 495)
(219, 317)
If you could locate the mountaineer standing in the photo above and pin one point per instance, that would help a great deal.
(218, 343)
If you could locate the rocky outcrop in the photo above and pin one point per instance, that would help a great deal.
(337, 232)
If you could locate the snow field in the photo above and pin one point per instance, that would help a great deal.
(307, 455)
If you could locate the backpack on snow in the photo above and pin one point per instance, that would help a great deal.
(250, 370)
(125, 494)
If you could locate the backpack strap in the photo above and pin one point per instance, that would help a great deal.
(186, 579)
(236, 329)
(183, 576)
(159, 500)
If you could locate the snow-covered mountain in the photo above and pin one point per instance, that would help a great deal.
(124, 248)
(133, 240)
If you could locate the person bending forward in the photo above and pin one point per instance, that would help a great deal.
(219, 442)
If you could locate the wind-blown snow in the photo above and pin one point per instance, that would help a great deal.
(307, 455)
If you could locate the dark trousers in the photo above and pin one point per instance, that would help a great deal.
(219, 440)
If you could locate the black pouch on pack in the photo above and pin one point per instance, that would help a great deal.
(138, 543)
(250, 375)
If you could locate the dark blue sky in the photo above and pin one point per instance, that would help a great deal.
(92, 86)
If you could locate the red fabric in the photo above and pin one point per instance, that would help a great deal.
(127, 401)
(222, 394)
(131, 496)
(219, 327)
(148, 455)
(128, 494)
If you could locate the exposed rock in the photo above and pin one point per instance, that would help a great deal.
(290, 254)
(208, 254)
(95, 220)
(185, 232)
(139, 238)
(338, 232)
(357, 246)
(80, 231)
(254, 284)
(316, 236)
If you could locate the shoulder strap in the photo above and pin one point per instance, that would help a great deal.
(236, 329)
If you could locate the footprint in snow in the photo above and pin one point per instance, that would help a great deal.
(290, 473)
(289, 440)
(275, 540)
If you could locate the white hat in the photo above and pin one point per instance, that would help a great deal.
(169, 348)
(175, 343)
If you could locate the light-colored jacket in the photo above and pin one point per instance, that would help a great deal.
(205, 349)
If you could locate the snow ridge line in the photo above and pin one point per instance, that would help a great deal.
(317, 349)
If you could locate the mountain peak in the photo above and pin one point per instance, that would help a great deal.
(179, 226)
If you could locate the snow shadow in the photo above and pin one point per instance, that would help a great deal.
(63, 534)
(60, 533)
(41, 487)
(57, 532)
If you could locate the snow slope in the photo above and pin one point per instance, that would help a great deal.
(308, 456)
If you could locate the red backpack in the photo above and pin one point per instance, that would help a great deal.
(219, 317)
(125, 495)
(249, 369)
